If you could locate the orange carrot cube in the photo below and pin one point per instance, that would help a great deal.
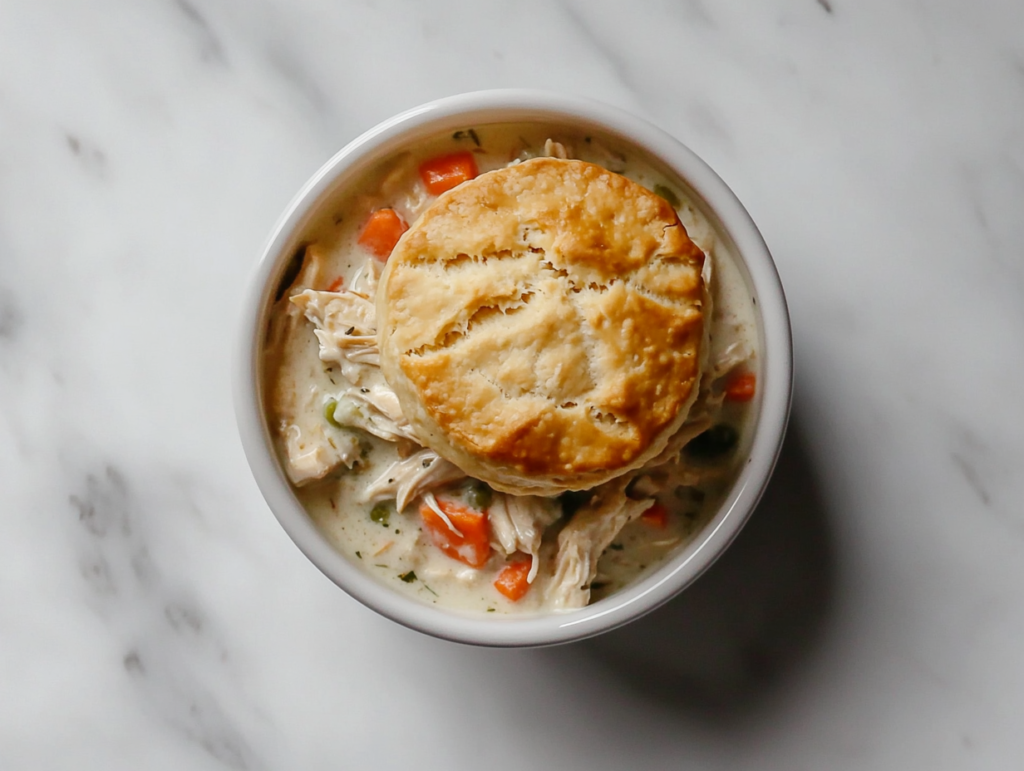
(471, 544)
(656, 516)
(513, 581)
(446, 171)
(381, 232)
(741, 387)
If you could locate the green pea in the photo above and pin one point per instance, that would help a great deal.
(479, 495)
(714, 443)
(380, 514)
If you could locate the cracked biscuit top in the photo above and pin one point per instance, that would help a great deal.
(543, 325)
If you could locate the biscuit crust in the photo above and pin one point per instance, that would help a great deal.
(543, 325)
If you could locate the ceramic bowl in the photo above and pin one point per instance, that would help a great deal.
(732, 223)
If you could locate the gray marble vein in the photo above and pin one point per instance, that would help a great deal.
(154, 615)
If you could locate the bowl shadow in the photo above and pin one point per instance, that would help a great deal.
(720, 647)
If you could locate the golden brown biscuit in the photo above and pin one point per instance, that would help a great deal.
(542, 325)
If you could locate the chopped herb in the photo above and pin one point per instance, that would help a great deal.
(380, 514)
(599, 585)
(408, 577)
(616, 547)
(717, 441)
(359, 554)
(668, 194)
(470, 134)
(350, 330)
(364, 390)
(333, 504)
(397, 531)
(429, 589)
(427, 462)
(378, 565)
(490, 610)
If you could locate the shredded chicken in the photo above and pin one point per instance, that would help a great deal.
(580, 544)
(312, 449)
(346, 327)
(364, 282)
(313, 454)
(553, 149)
(354, 410)
(518, 523)
(379, 399)
(405, 480)
(727, 360)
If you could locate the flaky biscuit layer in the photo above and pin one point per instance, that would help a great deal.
(542, 325)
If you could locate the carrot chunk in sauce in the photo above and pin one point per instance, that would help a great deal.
(656, 516)
(446, 171)
(471, 543)
(381, 232)
(741, 387)
(513, 580)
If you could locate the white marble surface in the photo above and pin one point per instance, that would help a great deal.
(154, 615)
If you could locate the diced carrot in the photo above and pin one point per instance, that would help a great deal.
(741, 387)
(381, 232)
(656, 516)
(512, 580)
(471, 544)
(446, 171)
(336, 284)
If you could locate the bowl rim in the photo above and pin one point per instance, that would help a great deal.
(675, 574)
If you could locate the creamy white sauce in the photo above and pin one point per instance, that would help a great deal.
(396, 550)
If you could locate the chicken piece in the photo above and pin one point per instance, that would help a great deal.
(725, 361)
(382, 403)
(553, 149)
(312, 448)
(354, 410)
(364, 282)
(406, 480)
(346, 327)
(314, 451)
(580, 544)
(518, 523)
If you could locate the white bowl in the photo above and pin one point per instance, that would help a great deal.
(731, 221)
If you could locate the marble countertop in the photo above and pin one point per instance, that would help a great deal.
(153, 613)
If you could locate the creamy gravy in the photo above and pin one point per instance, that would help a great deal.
(392, 545)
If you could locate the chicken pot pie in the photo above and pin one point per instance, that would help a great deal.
(512, 370)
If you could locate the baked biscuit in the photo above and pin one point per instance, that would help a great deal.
(543, 325)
